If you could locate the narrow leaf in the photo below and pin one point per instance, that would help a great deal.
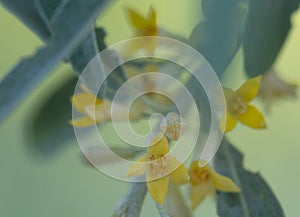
(218, 37)
(50, 129)
(267, 27)
(256, 197)
(26, 11)
(73, 25)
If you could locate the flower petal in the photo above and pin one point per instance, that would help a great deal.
(178, 173)
(253, 118)
(137, 168)
(84, 121)
(249, 89)
(230, 122)
(228, 93)
(158, 188)
(223, 183)
(152, 17)
(199, 192)
(81, 100)
(138, 21)
(158, 147)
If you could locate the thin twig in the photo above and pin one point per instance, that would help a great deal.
(161, 210)
(131, 204)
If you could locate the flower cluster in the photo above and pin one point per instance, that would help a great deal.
(157, 165)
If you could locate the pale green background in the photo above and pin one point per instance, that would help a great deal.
(62, 187)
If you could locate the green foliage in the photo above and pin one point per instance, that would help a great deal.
(67, 28)
(267, 27)
(28, 13)
(71, 27)
(50, 127)
(218, 36)
(256, 197)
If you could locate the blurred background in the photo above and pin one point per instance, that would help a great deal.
(61, 185)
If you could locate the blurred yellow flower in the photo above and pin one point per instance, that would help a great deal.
(172, 126)
(143, 26)
(80, 102)
(205, 181)
(159, 168)
(273, 88)
(150, 84)
(95, 110)
(238, 108)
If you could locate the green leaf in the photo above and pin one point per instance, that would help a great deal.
(267, 27)
(49, 10)
(87, 50)
(218, 37)
(73, 25)
(256, 197)
(26, 11)
(50, 129)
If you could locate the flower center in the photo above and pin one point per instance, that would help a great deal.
(237, 106)
(158, 165)
(150, 31)
(198, 177)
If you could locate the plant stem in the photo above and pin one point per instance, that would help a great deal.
(131, 204)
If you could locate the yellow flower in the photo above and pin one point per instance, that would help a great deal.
(205, 181)
(172, 126)
(143, 26)
(159, 168)
(95, 110)
(83, 100)
(273, 88)
(238, 108)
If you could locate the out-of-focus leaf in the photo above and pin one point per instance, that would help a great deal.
(267, 26)
(87, 50)
(51, 128)
(256, 197)
(49, 10)
(218, 37)
(26, 11)
(175, 203)
(73, 25)
(50, 125)
(117, 77)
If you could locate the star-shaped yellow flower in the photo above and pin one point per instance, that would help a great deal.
(238, 108)
(159, 168)
(143, 26)
(205, 181)
(95, 110)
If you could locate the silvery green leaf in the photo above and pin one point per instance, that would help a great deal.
(73, 25)
(267, 27)
(26, 11)
(256, 197)
(218, 36)
(50, 129)
(49, 10)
